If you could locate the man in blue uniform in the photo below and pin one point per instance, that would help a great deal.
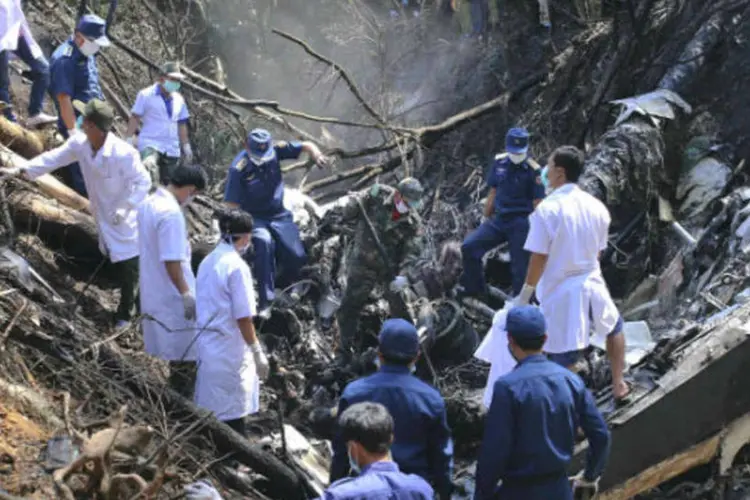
(531, 427)
(75, 77)
(515, 190)
(422, 443)
(367, 431)
(255, 184)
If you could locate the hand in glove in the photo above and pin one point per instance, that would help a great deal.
(187, 152)
(582, 488)
(261, 363)
(201, 490)
(118, 216)
(188, 304)
(322, 160)
(524, 297)
(10, 171)
(398, 284)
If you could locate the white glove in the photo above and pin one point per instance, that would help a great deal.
(215, 232)
(201, 490)
(103, 247)
(525, 296)
(188, 303)
(187, 152)
(322, 160)
(583, 489)
(261, 363)
(118, 216)
(398, 284)
(130, 140)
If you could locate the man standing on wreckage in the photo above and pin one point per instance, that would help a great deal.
(255, 184)
(567, 233)
(387, 242)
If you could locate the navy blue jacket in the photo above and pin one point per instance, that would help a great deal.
(530, 433)
(517, 186)
(259, 189)
(380, 481)
(422, 442)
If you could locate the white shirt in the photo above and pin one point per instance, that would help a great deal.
(115, 180)
(13, 25)
(159, 130)
(227, 383)
(163, 237)
(570, 226)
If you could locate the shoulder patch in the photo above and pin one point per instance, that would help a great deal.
(532, 163)
(280, 144)
(501, 156)
(67, 51)
(240, 166)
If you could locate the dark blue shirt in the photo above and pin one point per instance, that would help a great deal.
(517, 186)
(422, 442)
(531, 427)
(259, 190)
(73, 74)
(380, 481)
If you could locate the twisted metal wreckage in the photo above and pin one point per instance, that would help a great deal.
(696, 306)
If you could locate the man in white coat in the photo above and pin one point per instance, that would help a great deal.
(167, 282)
(230, 358)
(116, 182)
(568, 231)
(163, 115)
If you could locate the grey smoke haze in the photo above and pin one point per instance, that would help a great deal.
(413, 70)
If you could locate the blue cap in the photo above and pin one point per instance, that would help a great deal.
(526, 322)
(259, 144)
(517, 141)
(398, 340)
(94, 28)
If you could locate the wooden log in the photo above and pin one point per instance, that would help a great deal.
(25, 142)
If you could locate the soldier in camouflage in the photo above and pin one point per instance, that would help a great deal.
(387, 241)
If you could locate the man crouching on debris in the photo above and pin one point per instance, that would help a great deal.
(231, 361)
(530, 430)
(167, 282)
(255, 184)
(116, 182)
(422, 443)
(567, 232)
(367, 430)
(387, 242)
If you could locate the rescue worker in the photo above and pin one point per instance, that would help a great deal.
(74, 77)
(392, 213)
(163, 114)
(16, 37)
(367, 430)
(167, 282)
(422, 444)
(255, 184)
(117, 184)
(568, 232)
(515, 190)
(530, 430)
(231, 361)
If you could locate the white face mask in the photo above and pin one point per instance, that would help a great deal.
(88, 48)
(402, 207)
(517, 158)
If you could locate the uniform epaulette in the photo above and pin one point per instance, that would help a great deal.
(280, 144)
(533, 164)
(67, 51)
(501, 156)
(241, 164)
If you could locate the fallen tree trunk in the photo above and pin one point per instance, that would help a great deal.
(25, 142)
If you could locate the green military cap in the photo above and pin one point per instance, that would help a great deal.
(172, 70)
(97, 112)
(411, 190)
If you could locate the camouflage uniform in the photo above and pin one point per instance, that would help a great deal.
(366, 268)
